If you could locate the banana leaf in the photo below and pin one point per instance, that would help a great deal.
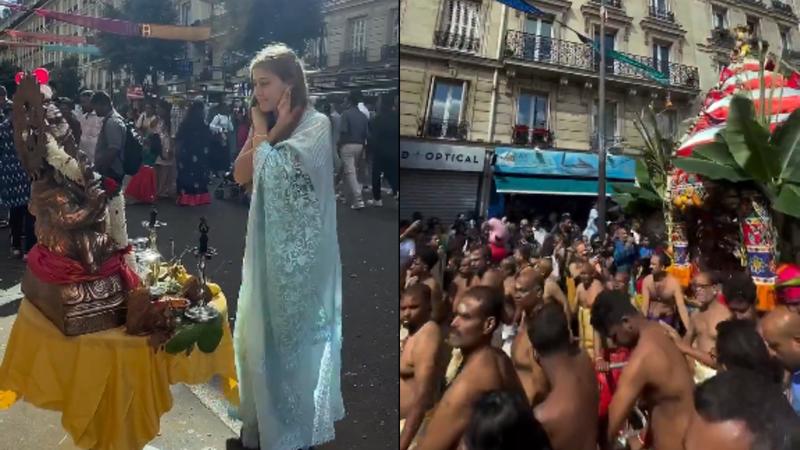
(794, 282)
(788, 201)
(748, 141)
(716, 152)
(642, 175)
(786, 140)
(709, 169)
(184, 339)
(211, 336)
(643, 193)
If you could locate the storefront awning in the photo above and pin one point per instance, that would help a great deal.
(548, 186)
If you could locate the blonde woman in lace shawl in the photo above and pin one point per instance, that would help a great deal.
(288, 329)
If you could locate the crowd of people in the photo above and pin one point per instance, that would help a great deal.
(534, 335)
(187, 147)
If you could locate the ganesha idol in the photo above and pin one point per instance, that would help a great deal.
(76, 275)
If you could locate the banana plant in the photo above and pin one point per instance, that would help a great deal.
(651, 189)
(746, 151)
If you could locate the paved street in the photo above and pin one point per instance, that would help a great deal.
(198, 420)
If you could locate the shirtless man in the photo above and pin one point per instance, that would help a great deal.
(484, 368)
(620, 282)
(552, 291)
(656, 373)
(587, 291)
(496, 278)
(480, 259)
(420, 272)
(740, 294)
(462, 281)
(577, 256)
(662, 294)
(781, 330)
(509, 269)
(421, 361)
(528, 294)
(569, 413)
(703, 334)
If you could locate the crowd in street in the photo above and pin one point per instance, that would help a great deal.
(189, 145)
(536, 335)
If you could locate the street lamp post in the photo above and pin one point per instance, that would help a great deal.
(601, 135)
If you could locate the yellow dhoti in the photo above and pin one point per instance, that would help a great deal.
(572, 298)
(585, 330)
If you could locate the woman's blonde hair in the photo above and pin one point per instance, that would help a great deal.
(284, 63)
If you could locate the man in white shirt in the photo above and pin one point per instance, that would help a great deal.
(363, 108)
(90, 125)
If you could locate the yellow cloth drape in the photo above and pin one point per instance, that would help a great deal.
(111, 388)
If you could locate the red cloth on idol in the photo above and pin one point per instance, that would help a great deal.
(56, 269)
(143, 185)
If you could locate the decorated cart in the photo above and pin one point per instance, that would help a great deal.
(734, 188)
(729, 190)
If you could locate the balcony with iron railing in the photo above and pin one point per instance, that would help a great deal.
(791, 56)
(353, 57)
(557, 54)
(437, 128)
(783, 8)
(754, 3)
(389, 53)
(614, 3)
(456, 41)
(523, 135)
(661, 13)
(722, 37)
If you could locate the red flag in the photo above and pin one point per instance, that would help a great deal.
(794, 81)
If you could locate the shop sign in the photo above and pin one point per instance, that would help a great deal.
(436, 156)
(561, 163)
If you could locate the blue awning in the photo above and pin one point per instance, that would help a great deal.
(549, 186)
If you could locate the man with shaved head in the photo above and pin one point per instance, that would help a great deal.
(552, 291)
(656, 375)
(483, 369)
(420, 272)
(496, 278)
(422, 362)
(587, 291)
(528, 296)
(781, 330)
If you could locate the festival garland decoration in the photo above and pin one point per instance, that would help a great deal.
(47, 37)
(127, 28)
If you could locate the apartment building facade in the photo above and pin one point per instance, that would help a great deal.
(358, 50)
(477, 74)
(197, 58)
(92, 69)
